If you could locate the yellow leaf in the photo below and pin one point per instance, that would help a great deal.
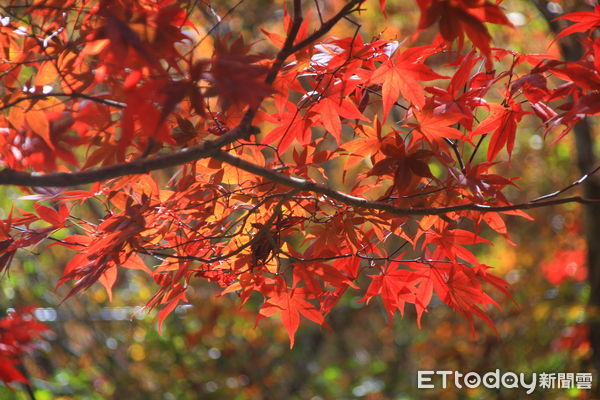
(16, 117)
(46, 75)
(38, 122)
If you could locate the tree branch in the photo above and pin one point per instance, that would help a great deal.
(41, 96)
(244, 129)
(141, 166)
(207, 149)
(212, 149)
(310, 186)
(326, 26)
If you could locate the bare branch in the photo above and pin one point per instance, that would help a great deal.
(309, 186)
(571, 186)
(326, 26)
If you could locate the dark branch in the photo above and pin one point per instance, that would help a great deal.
(141, 166)
(42, 96)
(309, 186)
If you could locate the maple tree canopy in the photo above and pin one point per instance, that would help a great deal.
(313, 167)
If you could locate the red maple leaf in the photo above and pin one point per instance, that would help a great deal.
(434, 127)
(464, 92)
(396, 286)
(502, 124)
(237, 77)
(584, 22)
(290, 303)
(459, 288)
(18, 332)
(460, 17)
(400, 75)
(565, 264)
(290, 126)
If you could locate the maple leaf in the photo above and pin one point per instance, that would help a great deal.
(483, 185)
(279, 40)
(331, 103)
(290, 126)
(501, 123)
(424, 291)
(290, 303)
(435, 127)
(460, 17)
(584, 22)
(534, 87)
(330, 110)
(480, 272)
(171, 300)
(448, 243)
(583, 73)
(125, 94)
(328, 274)
(464, 93)
(565, 263)
(495, 221)
(99, 257)
(237, 77)
(400, 75)
(57, 219)
(461, 290)
(38, 122)
(396, 287)
(18, 331)
(407, 166)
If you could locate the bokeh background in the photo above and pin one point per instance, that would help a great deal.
(212, 349)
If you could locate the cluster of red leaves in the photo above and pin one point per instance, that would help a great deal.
(459, 18)
(18, 332)
(462, 17)
(575, 338)
(130, 84)
(566, 264)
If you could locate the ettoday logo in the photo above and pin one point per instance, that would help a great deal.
(509, 380)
